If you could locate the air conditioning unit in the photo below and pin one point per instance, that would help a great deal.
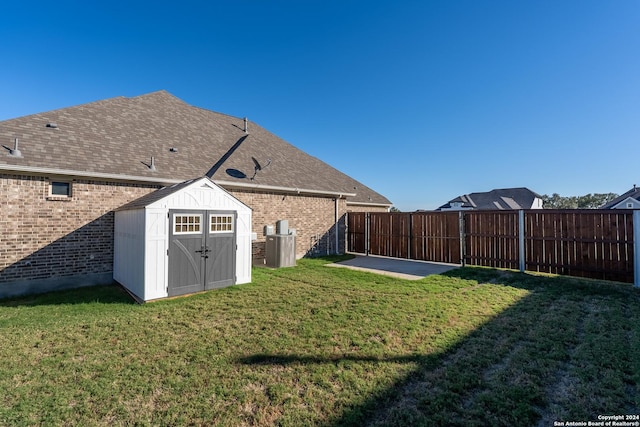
(280, 250)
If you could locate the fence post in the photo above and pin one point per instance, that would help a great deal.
(521, 240)
(462, 242)
(346, 232)
(367, 233)
(636, 248)
(410, 236)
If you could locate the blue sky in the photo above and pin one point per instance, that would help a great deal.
(420, 100)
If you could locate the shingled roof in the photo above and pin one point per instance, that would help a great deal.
(116, 139)
(502, 199)
(634, 193)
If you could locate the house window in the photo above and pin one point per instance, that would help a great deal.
(630, 205)
(187, 224)
(221, 223)
(60, 189)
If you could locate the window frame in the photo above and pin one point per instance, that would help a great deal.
(223, 226)
(187, 215)
(68, 184)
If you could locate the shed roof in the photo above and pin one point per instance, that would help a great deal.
(163, 192)
(116, 138)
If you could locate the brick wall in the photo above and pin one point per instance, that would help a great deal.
(45, 236)
(312, 217)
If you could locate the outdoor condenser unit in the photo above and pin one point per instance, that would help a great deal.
(280, 250)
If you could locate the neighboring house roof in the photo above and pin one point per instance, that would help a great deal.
(503, 199)
(634, 193)
(117, 137)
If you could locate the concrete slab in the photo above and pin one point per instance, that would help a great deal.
(401, 268)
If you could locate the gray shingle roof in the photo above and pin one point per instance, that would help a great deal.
(503, 198)
(120, 135)
(634, 193)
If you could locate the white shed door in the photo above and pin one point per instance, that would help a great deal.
(202, 248)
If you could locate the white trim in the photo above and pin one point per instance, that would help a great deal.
(623, 203)
(217, 215)
(188, 214)
(241, 185)
(384, 205)
(85, 174)
(168, 181)
(61, 196)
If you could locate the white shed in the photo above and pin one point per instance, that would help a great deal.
(181, 239)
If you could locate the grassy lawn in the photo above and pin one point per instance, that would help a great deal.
(313, 345)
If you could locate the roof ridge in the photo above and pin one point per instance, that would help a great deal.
(166, 92)
(117, 136)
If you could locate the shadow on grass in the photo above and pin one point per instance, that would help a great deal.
(284, 360)
(109, 294)
(515, 368)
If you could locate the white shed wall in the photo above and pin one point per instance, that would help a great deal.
(129, 250)
(141, 238)
(193, 197)
(156, 259)
(243, 252)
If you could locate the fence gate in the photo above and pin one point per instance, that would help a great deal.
(201, 250)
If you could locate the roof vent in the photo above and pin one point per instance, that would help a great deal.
(246, 125)
(152, 166)
(52, 125)
(173, 149)
(15, 152)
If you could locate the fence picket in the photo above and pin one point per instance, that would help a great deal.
(586, 243)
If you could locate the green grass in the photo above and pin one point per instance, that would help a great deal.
(313, 345)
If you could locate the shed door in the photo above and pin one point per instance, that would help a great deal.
(201, 250)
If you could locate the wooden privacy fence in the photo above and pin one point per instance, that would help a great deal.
(599, 244)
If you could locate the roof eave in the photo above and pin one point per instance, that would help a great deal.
(88, 174)
(161, 180)
(296, 190)
(352, 203)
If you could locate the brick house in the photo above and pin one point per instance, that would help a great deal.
(63, 172)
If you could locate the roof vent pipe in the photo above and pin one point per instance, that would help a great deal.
(15, 152)
(152, 166)
(246, 125)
